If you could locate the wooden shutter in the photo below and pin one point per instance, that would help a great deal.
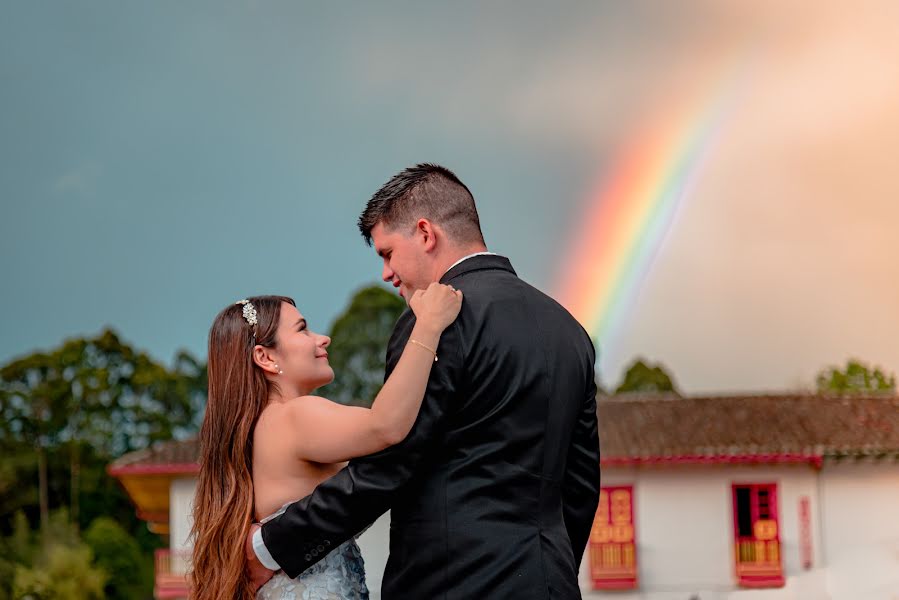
(757, 536)
(613, 548)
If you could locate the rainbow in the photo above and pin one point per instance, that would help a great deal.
(632, 211)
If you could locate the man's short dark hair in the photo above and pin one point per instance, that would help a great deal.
(425, 191)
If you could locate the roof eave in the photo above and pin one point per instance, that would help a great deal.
(154, 469)
(730, 459)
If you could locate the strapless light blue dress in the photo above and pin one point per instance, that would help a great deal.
(338, 576)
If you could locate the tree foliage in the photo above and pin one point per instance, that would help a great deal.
(100, 392)
(62, 573)
(119, 555)
(15, 549)
(358, 349)
(51, 564)
(642, 377)
(857, 377)
(64, 415)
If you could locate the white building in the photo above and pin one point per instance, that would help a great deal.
(715, 498)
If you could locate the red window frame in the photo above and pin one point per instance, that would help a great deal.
(757, 549)
(613, 540)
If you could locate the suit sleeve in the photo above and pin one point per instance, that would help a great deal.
(580, 488)
(343, 505)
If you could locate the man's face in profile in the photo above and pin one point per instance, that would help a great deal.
(405, 260)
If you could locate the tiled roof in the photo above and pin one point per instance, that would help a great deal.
(662, 429)
(162, 458)
(782, 428)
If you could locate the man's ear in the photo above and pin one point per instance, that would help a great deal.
(265, 360)
(428, 233)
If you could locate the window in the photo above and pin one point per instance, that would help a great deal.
(757, 536)
(613, 550)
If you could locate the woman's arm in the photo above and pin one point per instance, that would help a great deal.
(334, 433)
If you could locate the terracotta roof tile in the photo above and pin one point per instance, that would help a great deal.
(174, 453)
(643, 426)
(663, 428)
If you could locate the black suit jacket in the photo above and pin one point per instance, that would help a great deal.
(494, 491)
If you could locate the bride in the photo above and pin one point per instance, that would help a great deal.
(267, 441)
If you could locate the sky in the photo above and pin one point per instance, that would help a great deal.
(161, 160)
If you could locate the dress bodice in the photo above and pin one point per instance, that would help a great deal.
(338, 576)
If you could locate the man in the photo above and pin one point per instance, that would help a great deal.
(493, 492)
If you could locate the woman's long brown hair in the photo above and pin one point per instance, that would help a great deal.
(223, 507)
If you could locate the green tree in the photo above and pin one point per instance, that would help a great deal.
(119, 555)
(857, 377)
(17, 465)
(34, 409)
(92, 394)
(17, 549)
(358, 349)
(190, 379)
(64, 414)
(63, 572)
(641, 377)
(53, 563)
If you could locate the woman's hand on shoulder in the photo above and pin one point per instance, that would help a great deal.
(437, 306)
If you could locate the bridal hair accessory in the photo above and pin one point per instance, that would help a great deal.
(428, 348)
(249, 311)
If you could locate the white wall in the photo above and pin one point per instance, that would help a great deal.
(374, 544)
(861, 525)
(684, 525)
(181, 497)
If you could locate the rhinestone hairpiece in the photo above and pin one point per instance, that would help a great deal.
(249, 311)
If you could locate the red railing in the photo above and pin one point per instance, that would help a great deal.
(171, 574)
(758, 563)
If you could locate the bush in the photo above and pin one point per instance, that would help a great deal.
(18, 548)
(62, 572)
(119, 555)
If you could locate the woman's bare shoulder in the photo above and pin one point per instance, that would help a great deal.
(296, 411)
(280, 423)
(301, 405)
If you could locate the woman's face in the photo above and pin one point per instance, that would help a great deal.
(300, 352)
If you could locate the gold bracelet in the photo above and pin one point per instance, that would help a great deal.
(431, 350)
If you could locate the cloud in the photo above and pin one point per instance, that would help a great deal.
(781, 260)
(587, 81)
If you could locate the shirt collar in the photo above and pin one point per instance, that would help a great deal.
(469, 256)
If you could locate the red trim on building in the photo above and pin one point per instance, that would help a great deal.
(723, 459)
(805, 532)
(155, 469)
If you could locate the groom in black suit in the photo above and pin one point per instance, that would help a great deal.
(494, 491)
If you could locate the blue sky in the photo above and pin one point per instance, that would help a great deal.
(160, 160)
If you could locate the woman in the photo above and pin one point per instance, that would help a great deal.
(267, 441)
